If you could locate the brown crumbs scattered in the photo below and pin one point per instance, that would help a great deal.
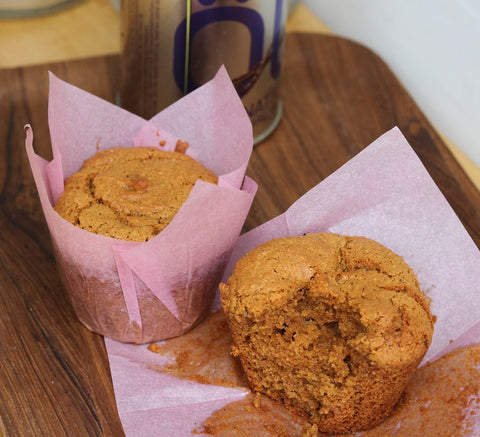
(181, 146)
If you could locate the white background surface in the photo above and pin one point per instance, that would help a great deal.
(432, 46)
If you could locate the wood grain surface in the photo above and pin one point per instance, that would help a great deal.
(338, 97)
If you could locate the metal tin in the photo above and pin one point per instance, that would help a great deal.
(169, 48)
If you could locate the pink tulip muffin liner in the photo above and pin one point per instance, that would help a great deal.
(143, 292)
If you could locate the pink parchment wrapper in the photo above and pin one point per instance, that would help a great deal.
(143, 292)
(383, 193)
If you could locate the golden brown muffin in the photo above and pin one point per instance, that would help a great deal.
(130, 193)
(332, 325)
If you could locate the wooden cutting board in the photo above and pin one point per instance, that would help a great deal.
(338, 97)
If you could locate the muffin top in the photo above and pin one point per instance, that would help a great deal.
(130, 193)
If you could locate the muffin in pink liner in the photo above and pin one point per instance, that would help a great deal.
(148, 291)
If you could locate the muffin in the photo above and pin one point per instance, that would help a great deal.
(121, 285)
(130, 193)
(333, 326)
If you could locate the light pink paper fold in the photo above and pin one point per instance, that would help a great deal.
(383, 193)
(141, 292)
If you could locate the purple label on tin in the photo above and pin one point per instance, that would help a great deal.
(250, 18)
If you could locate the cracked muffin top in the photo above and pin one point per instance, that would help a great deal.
(130, 193)
(333, 325)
